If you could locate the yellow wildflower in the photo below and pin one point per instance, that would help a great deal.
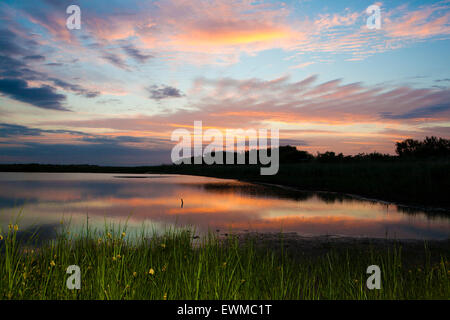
(16, 227)
(1, 237)
(52, 263)
(134, 274)
(151, 271)
(165, 296)
(123, 234)
(163, 245)
(114, 258)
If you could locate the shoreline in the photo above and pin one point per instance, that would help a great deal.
(170, 267)
(352, 195)
(299, 247)
(420, 184)
(425, 208)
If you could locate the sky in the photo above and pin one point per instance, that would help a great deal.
(113, 91)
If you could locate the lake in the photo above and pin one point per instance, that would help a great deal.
(209, 204)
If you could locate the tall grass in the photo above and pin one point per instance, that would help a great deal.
(117, 265)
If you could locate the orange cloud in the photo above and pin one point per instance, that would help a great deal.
(330, 115)
(219, 31)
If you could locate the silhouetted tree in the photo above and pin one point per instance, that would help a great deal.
(329, 156)
(430, 147)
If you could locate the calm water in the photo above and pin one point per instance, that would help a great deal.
(209, 204)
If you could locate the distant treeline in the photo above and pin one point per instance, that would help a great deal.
(37, 167)
(413, 176)
(430, 147)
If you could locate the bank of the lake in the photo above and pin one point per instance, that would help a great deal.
(414, 182)
(178, 265)
(417, 183)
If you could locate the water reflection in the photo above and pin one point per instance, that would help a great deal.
(209, 204)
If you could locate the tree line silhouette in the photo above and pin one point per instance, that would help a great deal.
(409, 149)
(430, 147)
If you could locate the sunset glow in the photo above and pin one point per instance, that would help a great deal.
(113, 91)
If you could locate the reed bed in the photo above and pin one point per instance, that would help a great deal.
(174, 264)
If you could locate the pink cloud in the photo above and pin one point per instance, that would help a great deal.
(333, 114)
(219, 31)
(419, 24)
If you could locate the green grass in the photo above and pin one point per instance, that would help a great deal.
(114, 266)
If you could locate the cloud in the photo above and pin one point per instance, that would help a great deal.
(96, 154)
(15, 130)
(15, 69)
(52, 18)
(424, 112)
(327, 21)
(74, 88)
(16, 64)
(331, 115)
(42, 97)
(219, 31)
(9, 43)
(164, 92)
(425, 22)
(110, 101)
(116, 60)
(27, 144)
(54, 64)
(303, 65)
(10, 130)
(36, 57)
(136, 54)
(315, 105)
(113, 140)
